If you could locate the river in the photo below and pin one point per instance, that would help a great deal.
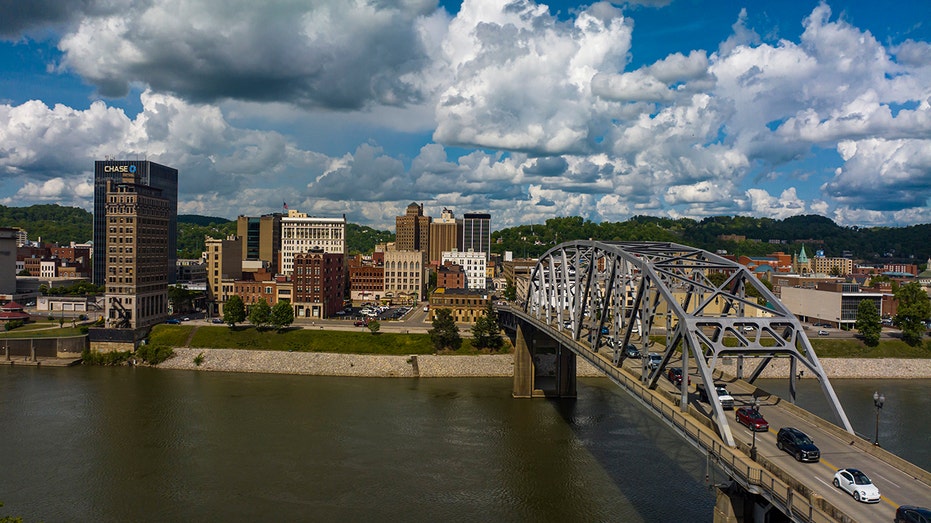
(141, 444)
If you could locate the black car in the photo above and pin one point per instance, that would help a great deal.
(912, 514)
(798, 444)
(632, 352)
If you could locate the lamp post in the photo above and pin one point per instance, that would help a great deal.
(756, 408)
(878, 400)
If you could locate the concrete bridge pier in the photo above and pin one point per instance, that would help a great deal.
(736, 505)
(543, 367)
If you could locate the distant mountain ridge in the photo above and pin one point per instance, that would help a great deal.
(735, 234)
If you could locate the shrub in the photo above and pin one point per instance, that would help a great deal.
(89, 357)
(154, 354)
(199, 359)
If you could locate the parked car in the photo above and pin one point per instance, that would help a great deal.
(674, 374)
(752, 418)
(823, 332)
(798, 444)
(655, 360)
(632, 352)
(217, 320)
(727, 401)
(173, 321)
(912, 514)
(857, 484)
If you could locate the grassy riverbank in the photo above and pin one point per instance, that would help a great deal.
(296, 340)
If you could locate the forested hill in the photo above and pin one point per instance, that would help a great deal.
(52, 223)
(761, 236)
(59, 224)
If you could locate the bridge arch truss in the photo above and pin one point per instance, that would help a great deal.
(702, 307)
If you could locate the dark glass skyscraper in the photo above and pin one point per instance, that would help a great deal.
(476, 233)
(146, 173)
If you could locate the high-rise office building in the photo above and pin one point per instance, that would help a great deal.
(412, 231)
(261, 237)
(136, 254)
(476, 233)
(444, 235)
(143, 172)
(301, 233)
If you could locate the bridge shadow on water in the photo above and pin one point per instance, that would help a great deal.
(661, 476)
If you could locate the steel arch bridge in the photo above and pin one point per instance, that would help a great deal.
(704, 307)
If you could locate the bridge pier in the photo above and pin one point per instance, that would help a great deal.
(543, 367)
(735, 505)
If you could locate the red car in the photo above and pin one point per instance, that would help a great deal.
(752, 419)
(361, 323)
(675, 376)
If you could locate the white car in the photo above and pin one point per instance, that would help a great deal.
(857, 484)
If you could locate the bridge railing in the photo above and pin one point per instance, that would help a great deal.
(737, 464)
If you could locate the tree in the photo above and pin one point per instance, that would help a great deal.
(260, 314)
(510, 292)
(868, 322)
(181, 299)
(282, 315)
(486, 333)
(914, 308)
(445, 333)
(234, 311)
(373, 326)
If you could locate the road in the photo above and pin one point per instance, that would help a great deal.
(897, 488)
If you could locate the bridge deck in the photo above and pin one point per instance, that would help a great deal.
(803, 490)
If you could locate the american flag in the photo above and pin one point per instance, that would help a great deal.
(285, 204)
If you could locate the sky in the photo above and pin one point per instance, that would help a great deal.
(524, 110)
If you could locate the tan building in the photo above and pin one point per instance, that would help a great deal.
(261, 238)
(444, 236)
(300, 233)
(405, 274)
(840, 266)
(137, 258)
(224, 266)
(412, 230)
(465, 305)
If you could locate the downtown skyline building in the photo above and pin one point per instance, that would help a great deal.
(301, 233)
(136, 264)
(476, 233)
(142, 172)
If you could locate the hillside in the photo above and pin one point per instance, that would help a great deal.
(761, 236)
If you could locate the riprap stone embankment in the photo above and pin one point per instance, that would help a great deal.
(496, 365)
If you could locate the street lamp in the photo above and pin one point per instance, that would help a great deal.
(878, 400)
(756, 408)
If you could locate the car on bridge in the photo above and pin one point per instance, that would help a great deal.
(655, 360)
(857, 484)
(752, 418)
(727, 401)
(674, 375)
(798, 444)
(632, 351)
(912, 514)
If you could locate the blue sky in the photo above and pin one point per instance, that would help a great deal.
(525, 110)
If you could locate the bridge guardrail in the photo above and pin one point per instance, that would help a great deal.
(735, 463)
